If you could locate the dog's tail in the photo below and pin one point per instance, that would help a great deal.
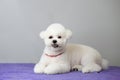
(105, 64)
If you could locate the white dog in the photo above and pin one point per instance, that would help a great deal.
(59, 57)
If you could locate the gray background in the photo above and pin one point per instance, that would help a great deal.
(94, 22)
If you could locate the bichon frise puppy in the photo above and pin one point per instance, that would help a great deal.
(59, 57)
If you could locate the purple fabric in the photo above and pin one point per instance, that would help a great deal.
(25, 72)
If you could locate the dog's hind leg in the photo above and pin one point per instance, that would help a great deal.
(90, 64)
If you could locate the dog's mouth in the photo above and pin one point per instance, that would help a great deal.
(55, 45)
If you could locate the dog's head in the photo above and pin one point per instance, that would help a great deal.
(55, 36)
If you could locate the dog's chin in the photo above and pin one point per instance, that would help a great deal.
(55, 45)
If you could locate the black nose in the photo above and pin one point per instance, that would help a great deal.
(54, 41)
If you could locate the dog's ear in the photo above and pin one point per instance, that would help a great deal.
(42, 34)
(68, 33)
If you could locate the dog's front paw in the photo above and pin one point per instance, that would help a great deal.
(54, 69)
(50, 70)
(39, 68)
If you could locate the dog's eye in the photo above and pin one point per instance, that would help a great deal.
(50, 37)
(59, 37)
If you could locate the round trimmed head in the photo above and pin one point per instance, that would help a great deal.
(55, 35)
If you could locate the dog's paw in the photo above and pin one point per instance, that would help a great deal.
(77, 68)
(56, 68)
(50, 70)
(91, 68)
(39, 68)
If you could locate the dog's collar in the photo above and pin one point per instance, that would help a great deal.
(54, 55)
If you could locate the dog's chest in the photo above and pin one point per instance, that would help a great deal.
(58, 59)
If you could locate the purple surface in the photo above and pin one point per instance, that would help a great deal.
(25, 72)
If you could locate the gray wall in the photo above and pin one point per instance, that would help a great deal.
(94, 22)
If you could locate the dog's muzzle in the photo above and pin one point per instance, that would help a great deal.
(55, 45)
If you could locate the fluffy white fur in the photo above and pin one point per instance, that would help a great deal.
(84, 58)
